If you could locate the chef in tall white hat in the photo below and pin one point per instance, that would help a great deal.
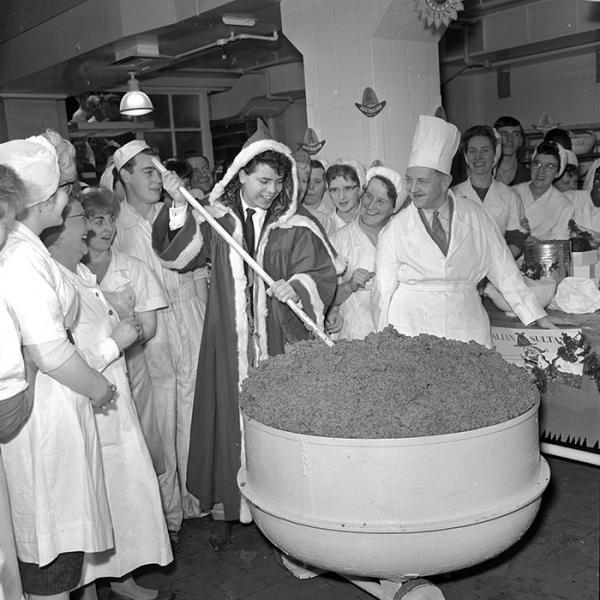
(432, 254)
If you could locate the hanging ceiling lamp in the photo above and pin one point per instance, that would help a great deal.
(135, 103)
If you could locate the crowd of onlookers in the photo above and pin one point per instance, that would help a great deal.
(128, 324)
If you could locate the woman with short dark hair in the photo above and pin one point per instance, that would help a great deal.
(548, 211)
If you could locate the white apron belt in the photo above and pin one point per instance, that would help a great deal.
(446, 308)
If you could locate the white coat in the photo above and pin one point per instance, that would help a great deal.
(53, 465)
(172, 356)
(502, 203)
(140, 532)
(419, 290)
(131, 287)
(549, 215)
(12, 382)
(586, 213)
(352, 244)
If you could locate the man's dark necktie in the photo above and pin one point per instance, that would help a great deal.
(249, 234)
(439, 235)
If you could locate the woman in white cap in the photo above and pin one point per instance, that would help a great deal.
(14, 405)
(482, 149)
(53, 465)
(547, 210)
(345, 179)
(139, 528)
(356, 242)
(433, 253)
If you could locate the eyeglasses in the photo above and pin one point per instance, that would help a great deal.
(343, 190)
(548, 167)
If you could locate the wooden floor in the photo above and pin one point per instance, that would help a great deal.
(556, 560)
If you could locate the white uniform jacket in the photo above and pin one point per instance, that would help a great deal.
(586, 213)
(549, 215)
(502, 203)
(419, 290)
(352, 244)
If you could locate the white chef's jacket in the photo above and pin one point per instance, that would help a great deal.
(419, 290)
(549, 215)
(53, 465)
(352, 244)
(172, 356)
(140, 532)
(502, 203)
(586, 213)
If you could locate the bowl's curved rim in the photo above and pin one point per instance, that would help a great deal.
(406, 441)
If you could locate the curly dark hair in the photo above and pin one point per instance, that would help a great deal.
(281, 164)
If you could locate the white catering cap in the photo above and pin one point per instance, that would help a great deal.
(353, 164)
(36, 164)
(125, 153)
(571, 157)
(562, 154)
(394, 178)
(434, 144)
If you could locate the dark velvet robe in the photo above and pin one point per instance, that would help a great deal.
(291, 247)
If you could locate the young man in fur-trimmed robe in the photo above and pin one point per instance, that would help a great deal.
(244, 323)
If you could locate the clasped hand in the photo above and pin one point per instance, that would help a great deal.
(127, 332)
(360, 278)
(283, 291)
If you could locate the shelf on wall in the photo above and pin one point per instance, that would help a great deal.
(107, 129)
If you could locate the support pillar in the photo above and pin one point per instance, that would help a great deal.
(348, 45)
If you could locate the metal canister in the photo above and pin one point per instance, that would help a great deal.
(553, 256)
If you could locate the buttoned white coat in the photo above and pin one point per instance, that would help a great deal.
(419, 290)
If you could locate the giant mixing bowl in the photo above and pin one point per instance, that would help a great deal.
(395, 509)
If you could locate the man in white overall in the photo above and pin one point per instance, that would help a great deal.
(172, 354)
(432, 254)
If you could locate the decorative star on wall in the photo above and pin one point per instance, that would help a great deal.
(438, 12)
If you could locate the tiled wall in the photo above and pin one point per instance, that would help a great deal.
(344, 52)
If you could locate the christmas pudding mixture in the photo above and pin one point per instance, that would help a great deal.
(386, 386)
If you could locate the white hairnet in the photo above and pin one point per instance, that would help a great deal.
(394, 178)
(36, 163)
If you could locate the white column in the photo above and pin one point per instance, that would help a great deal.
(348, 45)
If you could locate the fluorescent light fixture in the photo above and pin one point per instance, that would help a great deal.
(239, 20)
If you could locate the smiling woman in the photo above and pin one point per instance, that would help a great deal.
(547, 210)
(134, 291)
(352, 317)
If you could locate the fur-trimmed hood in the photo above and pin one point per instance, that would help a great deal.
(284, 205)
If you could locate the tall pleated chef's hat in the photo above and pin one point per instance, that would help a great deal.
(394, 178)
(36, 163)
(434, 144)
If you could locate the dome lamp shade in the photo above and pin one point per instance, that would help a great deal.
(135, 103)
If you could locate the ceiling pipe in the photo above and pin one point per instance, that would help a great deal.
(224, 41)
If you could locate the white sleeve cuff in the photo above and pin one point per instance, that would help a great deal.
(108, 350)
(177, 215)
